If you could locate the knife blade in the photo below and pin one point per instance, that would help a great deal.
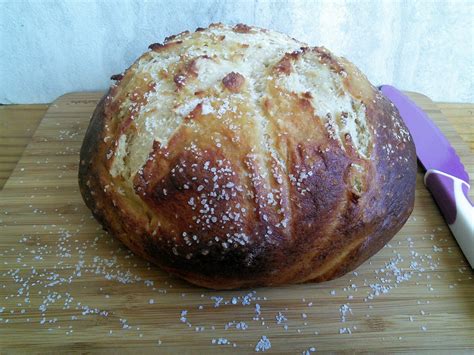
(445, 176)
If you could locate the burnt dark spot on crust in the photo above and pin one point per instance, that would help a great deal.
(117, 77)
(303, 50)
(200, 29)
(233, 82)
(242, 28)
(158, 47)
(172, 37)
(155, 46)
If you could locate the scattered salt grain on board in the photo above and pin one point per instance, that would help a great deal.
(263, 344)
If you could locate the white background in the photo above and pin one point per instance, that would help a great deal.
(48, 48)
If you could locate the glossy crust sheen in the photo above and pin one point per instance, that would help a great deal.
(264, 192)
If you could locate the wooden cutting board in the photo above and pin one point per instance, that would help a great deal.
(66, 285)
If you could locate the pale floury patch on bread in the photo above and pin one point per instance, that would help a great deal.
(248, 54)
(252, 55)
(237, 156)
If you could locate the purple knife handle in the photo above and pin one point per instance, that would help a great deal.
(451, 195)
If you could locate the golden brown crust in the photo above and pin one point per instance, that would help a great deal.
(248, 189)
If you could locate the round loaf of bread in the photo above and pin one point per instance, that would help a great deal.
(240, 157)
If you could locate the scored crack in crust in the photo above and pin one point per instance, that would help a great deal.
(237, 157)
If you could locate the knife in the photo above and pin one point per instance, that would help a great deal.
(445, 175)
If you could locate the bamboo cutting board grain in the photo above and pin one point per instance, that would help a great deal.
(66, 285)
